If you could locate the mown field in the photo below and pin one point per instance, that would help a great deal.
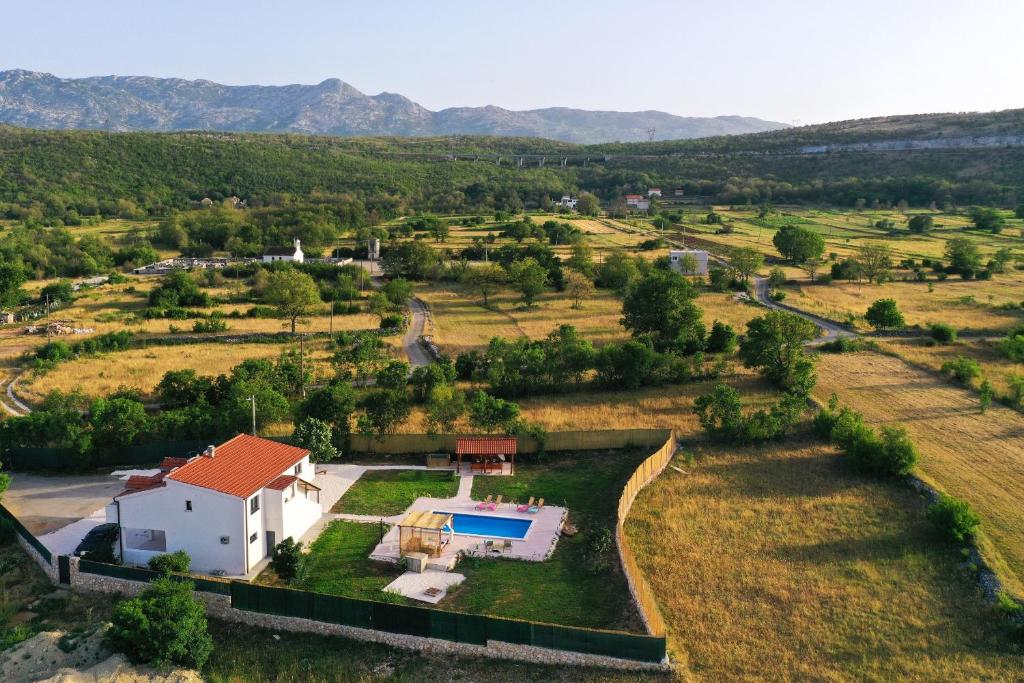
(777, 563)
(979, 458)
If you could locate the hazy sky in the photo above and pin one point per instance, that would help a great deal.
(785, 60)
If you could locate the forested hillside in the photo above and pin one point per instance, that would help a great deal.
(63, 176)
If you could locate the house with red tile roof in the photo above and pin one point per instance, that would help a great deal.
(226, 508)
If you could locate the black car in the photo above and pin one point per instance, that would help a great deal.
(98, 542)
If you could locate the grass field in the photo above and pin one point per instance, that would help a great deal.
(996, 366)
(568, 589)
(142, 369)
(976, 457)
(969, 305)
(778, 563)
(390, 492)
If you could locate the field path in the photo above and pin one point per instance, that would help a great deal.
(979, 458)
(418, 356)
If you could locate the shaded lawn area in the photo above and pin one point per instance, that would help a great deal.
(390, 492)
(244, 653)
(574, 587)
(338, 563)
(782, 557)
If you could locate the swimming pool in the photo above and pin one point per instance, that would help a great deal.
(489, 526)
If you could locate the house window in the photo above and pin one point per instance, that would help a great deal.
(298, 469)
(188, 506)
(254, 504)
(252, 539)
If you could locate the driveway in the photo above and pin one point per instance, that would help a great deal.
(60, 510)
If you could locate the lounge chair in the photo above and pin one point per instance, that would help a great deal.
(525, 506)
(494, 506)
(507, 545)
(534, 509)
(482, 505)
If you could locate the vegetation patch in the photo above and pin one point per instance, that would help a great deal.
(390, 492)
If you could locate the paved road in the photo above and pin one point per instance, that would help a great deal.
(832, 330)
(418, 356)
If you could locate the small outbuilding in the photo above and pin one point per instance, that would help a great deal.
(487, 454)
(425, 532)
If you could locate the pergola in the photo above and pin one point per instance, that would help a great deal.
(424, 532)
(487, 453)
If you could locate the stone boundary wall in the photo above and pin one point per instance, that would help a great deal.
(49, 569)
(219, 606)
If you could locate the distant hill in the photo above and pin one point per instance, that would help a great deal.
(333, 107)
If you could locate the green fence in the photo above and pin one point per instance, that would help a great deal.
(59, 459)
(475, 629)
(206, 585)
(26, 534)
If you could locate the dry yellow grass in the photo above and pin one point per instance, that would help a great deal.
(996, 366)
(666, 407)
(460, 322)
(142, 369)
(976, 457)
(777, 563)
(965, 304)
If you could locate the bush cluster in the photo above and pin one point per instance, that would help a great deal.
(889, 453)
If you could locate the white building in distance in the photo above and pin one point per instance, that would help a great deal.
(700, 257)
(227, 508)
(294, 253)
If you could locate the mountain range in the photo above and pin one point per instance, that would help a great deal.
(126, 103)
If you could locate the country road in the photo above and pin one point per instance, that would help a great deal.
(832, 330)
(418, 356)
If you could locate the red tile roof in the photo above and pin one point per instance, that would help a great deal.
(138, 482)
(241, 466)
(169, 464)
(634, 196)
(282, 482)
(486, 445)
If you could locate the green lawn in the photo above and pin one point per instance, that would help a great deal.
(577, 586)
(390, 492)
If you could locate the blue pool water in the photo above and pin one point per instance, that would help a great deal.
(491, 527)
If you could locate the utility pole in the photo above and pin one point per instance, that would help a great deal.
(302, 365)
(252, 400)
(332, 318)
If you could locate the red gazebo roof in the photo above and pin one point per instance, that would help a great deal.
(486, 445)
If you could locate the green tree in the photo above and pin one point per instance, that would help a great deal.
(953, 518)
(487, 280)
(588, 205)
(333, 403)
(884, 314)
(394, 376)
(398, 291)
(985, 218)
(293, 293)
(315, 436)
(384, 412)
(875, 261)
(164, 625)
(774, 345)
(985, 395)
(490, 414)
(746, 261)
(661, 304)
(527, 277)
(12, 277)
(410, 260)
(798, 244)
(117, 422)
(582, 258)
(445, 405)
(776, 278)
(720, 412)
(963, 255)
(579, 287)
(721, 338)
(920, 223)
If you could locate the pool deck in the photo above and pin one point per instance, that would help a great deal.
(537, 546)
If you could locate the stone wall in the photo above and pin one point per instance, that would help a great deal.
(49, 569)
(219, 607)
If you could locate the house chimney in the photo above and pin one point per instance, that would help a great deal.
(210, 451)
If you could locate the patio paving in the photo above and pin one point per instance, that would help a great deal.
(414, 584)
(538, 545)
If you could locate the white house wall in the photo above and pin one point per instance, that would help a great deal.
(197, 532)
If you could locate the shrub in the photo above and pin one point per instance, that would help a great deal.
(964, 370)
(315, 435)
(953, 518)
(884, 314)
(778, 295)
(721, 339)
(178, 561)
(164, 624)
(943, 333)
(215, 324)
(391, 321)
(286, 558)
(55, 351)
